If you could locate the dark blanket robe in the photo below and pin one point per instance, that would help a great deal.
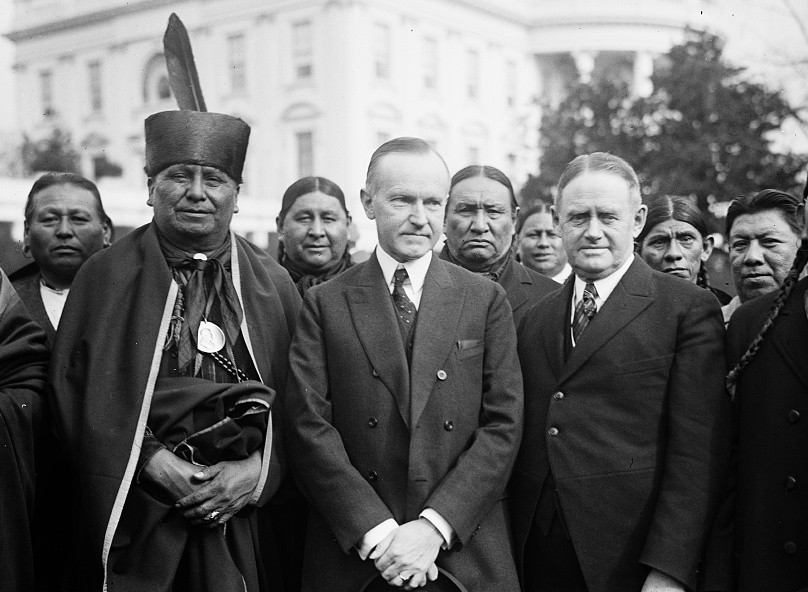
(105, 368)
(23, 370)
(26, 282)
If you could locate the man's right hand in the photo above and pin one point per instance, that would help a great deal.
(172, 474)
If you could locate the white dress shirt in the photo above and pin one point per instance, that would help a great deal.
(562, 275)
(414, 288)
(604, 288)
(54, 302)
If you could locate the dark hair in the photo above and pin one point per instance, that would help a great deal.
(599, 162)
(489, 172)
(768, 199)
(541, 207)
(50, 179)
(309, 185)
(678, 208)
(780, 300)
(405, 145)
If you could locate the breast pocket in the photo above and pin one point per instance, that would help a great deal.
(469, 348)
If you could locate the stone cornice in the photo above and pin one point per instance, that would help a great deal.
(83, 20)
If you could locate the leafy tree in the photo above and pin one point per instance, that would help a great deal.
(53, 153)
(704, 132)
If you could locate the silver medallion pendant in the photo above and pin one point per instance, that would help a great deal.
(209, 338)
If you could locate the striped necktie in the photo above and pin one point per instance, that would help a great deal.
(584, 311)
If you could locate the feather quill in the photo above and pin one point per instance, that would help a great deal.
(182, 74)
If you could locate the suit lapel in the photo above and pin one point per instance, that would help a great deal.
(791, 331)
(555, 337)
(376, 325)
(512, 280)
(630, 297)
(438, 315)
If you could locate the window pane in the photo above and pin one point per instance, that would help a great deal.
(302, 49)
(430, 63)
(237, 52)
(96, 94)
(381, 51)
(46, 90)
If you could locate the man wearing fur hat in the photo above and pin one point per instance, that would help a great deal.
(172, 347)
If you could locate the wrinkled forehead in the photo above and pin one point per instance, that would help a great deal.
(411, 174)
(674, 228)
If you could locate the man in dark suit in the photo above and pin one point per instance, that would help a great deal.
(406, 401)
(480, 217)
(626, 417)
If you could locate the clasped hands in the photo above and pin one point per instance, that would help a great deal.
(205, 496)
(406, 556)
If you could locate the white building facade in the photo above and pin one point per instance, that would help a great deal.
(323, 82)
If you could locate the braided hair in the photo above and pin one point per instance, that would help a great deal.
(785, 291)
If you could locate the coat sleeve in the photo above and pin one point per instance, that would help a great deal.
(341, 495)
(478, 479)
(696, 453)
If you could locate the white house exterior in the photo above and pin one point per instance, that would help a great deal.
(323, 82)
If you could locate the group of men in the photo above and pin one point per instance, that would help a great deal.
(454, 420)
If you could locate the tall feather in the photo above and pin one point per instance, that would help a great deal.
(182, 75)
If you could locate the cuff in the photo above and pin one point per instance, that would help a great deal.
(148, 448)
(375, 536)
(444, 528)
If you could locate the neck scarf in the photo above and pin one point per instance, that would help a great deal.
(492, 272)
(202, 282)
(305, 280)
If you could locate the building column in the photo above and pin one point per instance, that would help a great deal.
(585, 63)
(643, 69)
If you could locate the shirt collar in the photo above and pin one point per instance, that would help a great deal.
(562, 275)
(416, 269)
(604, 286)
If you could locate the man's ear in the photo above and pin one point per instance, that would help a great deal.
(235, 201)
(107, 233)
(556, 219)
(639, 220)
(709, 244)
(26, 239)
(367, 203)
(150, 185)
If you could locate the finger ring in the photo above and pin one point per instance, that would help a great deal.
(404, 577)
(213, 515)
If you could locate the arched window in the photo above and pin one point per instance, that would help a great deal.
(155, 81)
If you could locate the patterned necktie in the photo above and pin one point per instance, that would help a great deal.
(584, 311)
(405, 310)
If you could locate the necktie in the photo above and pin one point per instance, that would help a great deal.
(405, 310)
(584, 311)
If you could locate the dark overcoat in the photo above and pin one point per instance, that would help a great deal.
(642, 426)
(372, 441)
(771, 515)
(26, 282)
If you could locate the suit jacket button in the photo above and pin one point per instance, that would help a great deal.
(373, 422)
(441, 374)
(552, 432)
(558, 396)
(793, 416)
(448, 425)
(373, 476)
(791, 483)
(375, 374)
(790, 547)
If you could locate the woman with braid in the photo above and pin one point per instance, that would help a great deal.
(675, 240)
(761, 539)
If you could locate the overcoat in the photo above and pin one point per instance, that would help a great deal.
(26, 282)
(770, 481)
(372, 440)
(523, 286)
(104, 369)
(633, 423)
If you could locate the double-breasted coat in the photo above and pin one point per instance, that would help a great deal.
(633, 424)
(373, 440)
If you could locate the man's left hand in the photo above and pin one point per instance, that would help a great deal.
(226, 488)
(660, 582)
(406, 557)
